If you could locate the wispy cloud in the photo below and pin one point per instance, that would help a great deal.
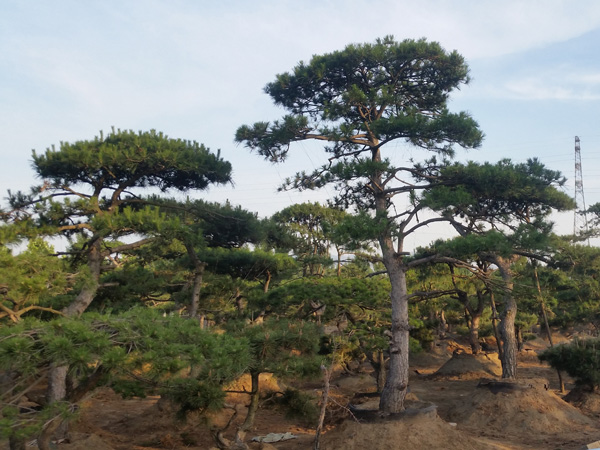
(561, 84)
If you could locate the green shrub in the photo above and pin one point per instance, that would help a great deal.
(529, 337)
(300, 406)
(414, 346)
(580, 359)
(421, 334)
(462, 330)
(486, 329)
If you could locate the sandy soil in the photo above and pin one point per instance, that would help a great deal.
(456, 402)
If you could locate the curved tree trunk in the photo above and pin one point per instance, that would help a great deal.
(57, 375)
(89, 290)
(268, 277)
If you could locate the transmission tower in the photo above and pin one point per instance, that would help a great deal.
(580, 223)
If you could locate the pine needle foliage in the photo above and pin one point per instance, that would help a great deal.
(136, 353)
(580, 359)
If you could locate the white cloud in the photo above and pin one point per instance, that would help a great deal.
(559, 83)
(196, 69)
(487, 28)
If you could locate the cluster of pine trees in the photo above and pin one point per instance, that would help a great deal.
(117, 282)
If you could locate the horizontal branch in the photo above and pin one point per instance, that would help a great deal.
(132, 246)
(425, 223)
(427, 295)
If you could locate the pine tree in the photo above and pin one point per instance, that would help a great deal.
(92, 193)
(361, 101)
(501, 213)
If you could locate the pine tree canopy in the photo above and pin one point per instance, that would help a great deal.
(125, 159)
(365, 96)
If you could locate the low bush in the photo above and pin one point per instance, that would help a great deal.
(580, 359)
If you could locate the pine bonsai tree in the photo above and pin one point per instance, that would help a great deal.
(360, 101)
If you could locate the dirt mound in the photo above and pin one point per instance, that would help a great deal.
(587, 401)
(410, 431)
(350, 384)
(517, 407)
(466, 366)
(86, 442)
(266, 381)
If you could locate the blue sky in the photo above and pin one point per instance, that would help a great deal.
(196, 70)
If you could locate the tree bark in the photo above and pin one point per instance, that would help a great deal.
(442, 324)
(377, 360)
(89, 290)
(396, 384)
(254, 399)
(199, 267)
(267, 281)
(56, 392)
(495, 325)
(474, 334)
(195, 302)
(509, 342)
(57, 383)
(57, 375)
(324, 399)
(507, 321)
(381, 373)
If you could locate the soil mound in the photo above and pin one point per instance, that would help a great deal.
(520, 407)
(587, 401)
(86, 442)
(243, 386)
(409, 431)
(466, 366)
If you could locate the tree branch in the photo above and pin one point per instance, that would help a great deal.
(125, 247)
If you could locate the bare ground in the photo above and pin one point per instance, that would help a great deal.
(456, 402)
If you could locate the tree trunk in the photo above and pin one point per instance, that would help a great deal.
(56, 392)
(267, 281)
(195, 302)
(377, 360)
(495, 325)
(509, 342)
(519, 334)
(473, 317)
(381, 372)
(324, 399)
(239, 301)
(507, 322)
(442, 327)
(474, 334)
(254, 399)
(396, 385)
(44, 438)
(199, 267)
(57, 383)
(89, 290)
(57, 375)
